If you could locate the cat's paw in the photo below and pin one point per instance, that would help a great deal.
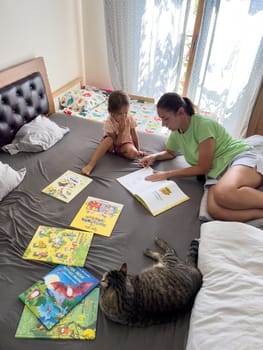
(148, 252)
(161, 243)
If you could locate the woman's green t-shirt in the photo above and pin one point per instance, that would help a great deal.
(200, 129)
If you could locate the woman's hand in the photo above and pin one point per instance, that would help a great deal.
(146, 161)
(157, 176)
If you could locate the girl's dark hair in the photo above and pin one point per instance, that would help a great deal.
(171, 102)
(117, 99)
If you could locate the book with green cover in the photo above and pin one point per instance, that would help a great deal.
(79, 323)
(57, 293)
(67, 186)
(98, 216)
(59, 246)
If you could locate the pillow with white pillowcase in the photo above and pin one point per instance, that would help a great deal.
(38, 135)
(9, 179)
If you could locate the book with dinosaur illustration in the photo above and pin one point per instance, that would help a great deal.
(67, 186)
(157, 196)
(52, 297)
(79, 323)
(59, 246)
(98, 216)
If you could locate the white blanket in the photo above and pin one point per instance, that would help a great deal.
(228, 310)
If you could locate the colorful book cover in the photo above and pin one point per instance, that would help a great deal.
(97, 215)
(59, 246)
(67, 186)
(79, 323)
(52, 297)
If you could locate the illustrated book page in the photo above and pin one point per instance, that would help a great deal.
(98, 216)
(67, 186)
(59, 246)
(158, 196)
(52, 297)
(79, 323)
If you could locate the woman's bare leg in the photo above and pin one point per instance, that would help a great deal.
(220, 213)
(235, 196)
(105, 145)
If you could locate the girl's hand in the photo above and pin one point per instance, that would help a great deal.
(142, 153)
(146, 161)
(157, 176)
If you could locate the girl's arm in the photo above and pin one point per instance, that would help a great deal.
(205, 159)
(135, 138)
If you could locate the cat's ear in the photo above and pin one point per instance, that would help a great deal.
(123, 268)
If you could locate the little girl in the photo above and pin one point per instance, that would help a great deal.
(120, 136)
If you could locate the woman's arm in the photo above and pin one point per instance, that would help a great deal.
(205, 159)
(149, 160)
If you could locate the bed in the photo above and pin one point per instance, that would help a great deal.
(24, 208)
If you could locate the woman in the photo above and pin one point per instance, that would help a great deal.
(232, 169)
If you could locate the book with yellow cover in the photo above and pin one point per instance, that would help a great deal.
(98, 216)
(79, 323)
(158, 196)
(67, 186)
(59, 246)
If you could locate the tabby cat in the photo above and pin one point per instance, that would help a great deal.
(162, 293)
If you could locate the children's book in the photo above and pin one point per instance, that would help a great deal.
(158, 196)
(98, 216)
(79, 323)
(67, 186)
(59, 246)
(52, 297)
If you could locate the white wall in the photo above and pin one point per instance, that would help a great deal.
(48, 28)
(95, 49)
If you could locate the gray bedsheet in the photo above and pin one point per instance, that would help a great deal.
(24, 209)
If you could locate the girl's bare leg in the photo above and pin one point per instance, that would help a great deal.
(105, 145)
(129, 151)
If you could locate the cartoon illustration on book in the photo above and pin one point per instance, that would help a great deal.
(97, 215)
(51, 298)
(59, 246)
(67, 186)
(79, 323)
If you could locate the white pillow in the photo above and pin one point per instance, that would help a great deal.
(227, 313)
(36, 136)
(9, 179)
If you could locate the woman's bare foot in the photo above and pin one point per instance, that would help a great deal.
(87, 169)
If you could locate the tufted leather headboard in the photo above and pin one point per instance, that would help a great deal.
(21, 102)
(24, 93)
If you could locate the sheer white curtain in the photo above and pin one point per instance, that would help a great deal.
(145, 42)
(228, 65)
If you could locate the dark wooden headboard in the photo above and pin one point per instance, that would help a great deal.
(24, 94)
(14, 73)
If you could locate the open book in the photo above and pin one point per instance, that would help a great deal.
(158, 196)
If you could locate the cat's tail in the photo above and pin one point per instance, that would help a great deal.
(192, 256)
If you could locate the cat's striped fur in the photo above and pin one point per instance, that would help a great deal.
(162, 293)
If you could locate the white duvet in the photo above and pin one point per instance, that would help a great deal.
(228, 310)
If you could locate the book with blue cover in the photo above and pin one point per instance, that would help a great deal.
(80, 323)
(52, 297)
